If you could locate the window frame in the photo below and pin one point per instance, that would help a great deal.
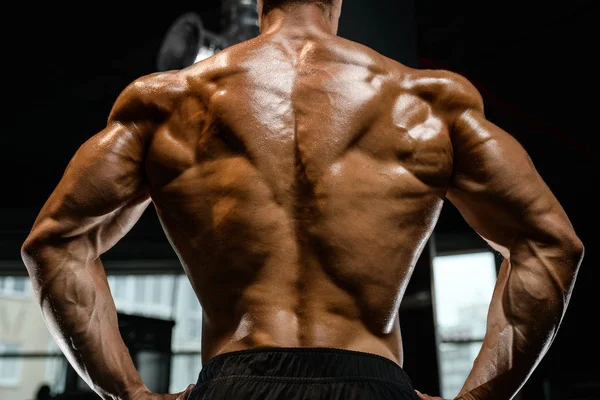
(15, 380)
(438, 337)
(8, 283)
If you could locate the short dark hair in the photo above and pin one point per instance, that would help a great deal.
(268, 5)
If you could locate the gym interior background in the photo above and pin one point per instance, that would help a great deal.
(531, 61)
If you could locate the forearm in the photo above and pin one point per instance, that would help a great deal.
(80, 314)
(529, 302)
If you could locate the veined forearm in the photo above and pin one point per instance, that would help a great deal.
(81, 316)
(529, 302)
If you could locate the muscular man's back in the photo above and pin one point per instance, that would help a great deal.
(298, 179)
(298, 176)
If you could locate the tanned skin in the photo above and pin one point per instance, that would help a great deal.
(298, 177)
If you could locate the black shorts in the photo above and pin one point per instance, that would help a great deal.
(302, 374)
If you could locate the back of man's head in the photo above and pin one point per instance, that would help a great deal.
(268, 5)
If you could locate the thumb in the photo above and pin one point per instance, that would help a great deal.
(186, 393)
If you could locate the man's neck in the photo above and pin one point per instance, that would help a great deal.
(301, 19)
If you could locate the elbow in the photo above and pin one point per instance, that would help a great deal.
(28, 249)
(44, 236)
(576, 250)
(37, 249)
(561, 236)
(30, 253)
(571, 245)
(44, 250)
(44, 233)
(571, 253)
(30, 256)
(40, 259)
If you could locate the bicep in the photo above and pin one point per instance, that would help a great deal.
(496, 186)
(101, 194)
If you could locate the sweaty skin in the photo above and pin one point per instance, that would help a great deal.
(298, 177)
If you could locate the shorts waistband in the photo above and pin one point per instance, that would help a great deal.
(303, 363)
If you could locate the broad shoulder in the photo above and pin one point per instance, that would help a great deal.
(149, 97)
(447, 91)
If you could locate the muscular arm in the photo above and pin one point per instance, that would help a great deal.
(100, 197)
(498, 191)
